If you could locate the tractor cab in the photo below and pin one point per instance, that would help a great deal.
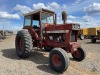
(39, 19)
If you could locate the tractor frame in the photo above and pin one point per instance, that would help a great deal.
(41, 30)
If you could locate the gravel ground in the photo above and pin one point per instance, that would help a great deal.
(37, 63)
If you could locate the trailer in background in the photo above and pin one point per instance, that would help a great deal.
(83, 33)
(88, 32)
(97, 37)
(92, 32)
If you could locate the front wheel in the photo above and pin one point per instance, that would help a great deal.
(79, 55)
(58, 60)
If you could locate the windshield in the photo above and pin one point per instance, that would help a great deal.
(47, 18)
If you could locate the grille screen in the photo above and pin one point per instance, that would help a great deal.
(73, 36)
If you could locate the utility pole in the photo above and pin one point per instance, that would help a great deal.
(3, 30)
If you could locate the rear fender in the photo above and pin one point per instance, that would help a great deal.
(32, 31)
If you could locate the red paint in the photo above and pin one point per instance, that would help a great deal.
(56, 60)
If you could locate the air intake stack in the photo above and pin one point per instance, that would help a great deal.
(64, 16)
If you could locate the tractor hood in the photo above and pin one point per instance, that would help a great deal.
(58, 28)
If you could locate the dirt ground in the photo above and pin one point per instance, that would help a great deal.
(37, 63)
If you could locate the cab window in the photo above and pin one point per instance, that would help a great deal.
(47, 18)
(27, 21)
(35, 24)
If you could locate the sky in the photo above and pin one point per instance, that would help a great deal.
(84, 12)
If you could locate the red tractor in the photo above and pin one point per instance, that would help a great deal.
(40, 30)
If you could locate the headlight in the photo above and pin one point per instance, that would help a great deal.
(78, 27)
(73, 26)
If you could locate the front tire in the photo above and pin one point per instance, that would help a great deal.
(23, 43)
(79, 55)
(59, 60)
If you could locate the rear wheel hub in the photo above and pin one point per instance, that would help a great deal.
(21, 44)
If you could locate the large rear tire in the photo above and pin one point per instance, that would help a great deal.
(59, 60)
(79, 55)
(23, 43)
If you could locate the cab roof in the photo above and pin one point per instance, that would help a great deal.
(39, 10)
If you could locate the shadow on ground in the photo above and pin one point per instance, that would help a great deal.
(93, 43)
(37, 57)
(72, 59)
(10, 53)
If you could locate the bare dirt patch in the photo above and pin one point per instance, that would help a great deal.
(37, 63)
